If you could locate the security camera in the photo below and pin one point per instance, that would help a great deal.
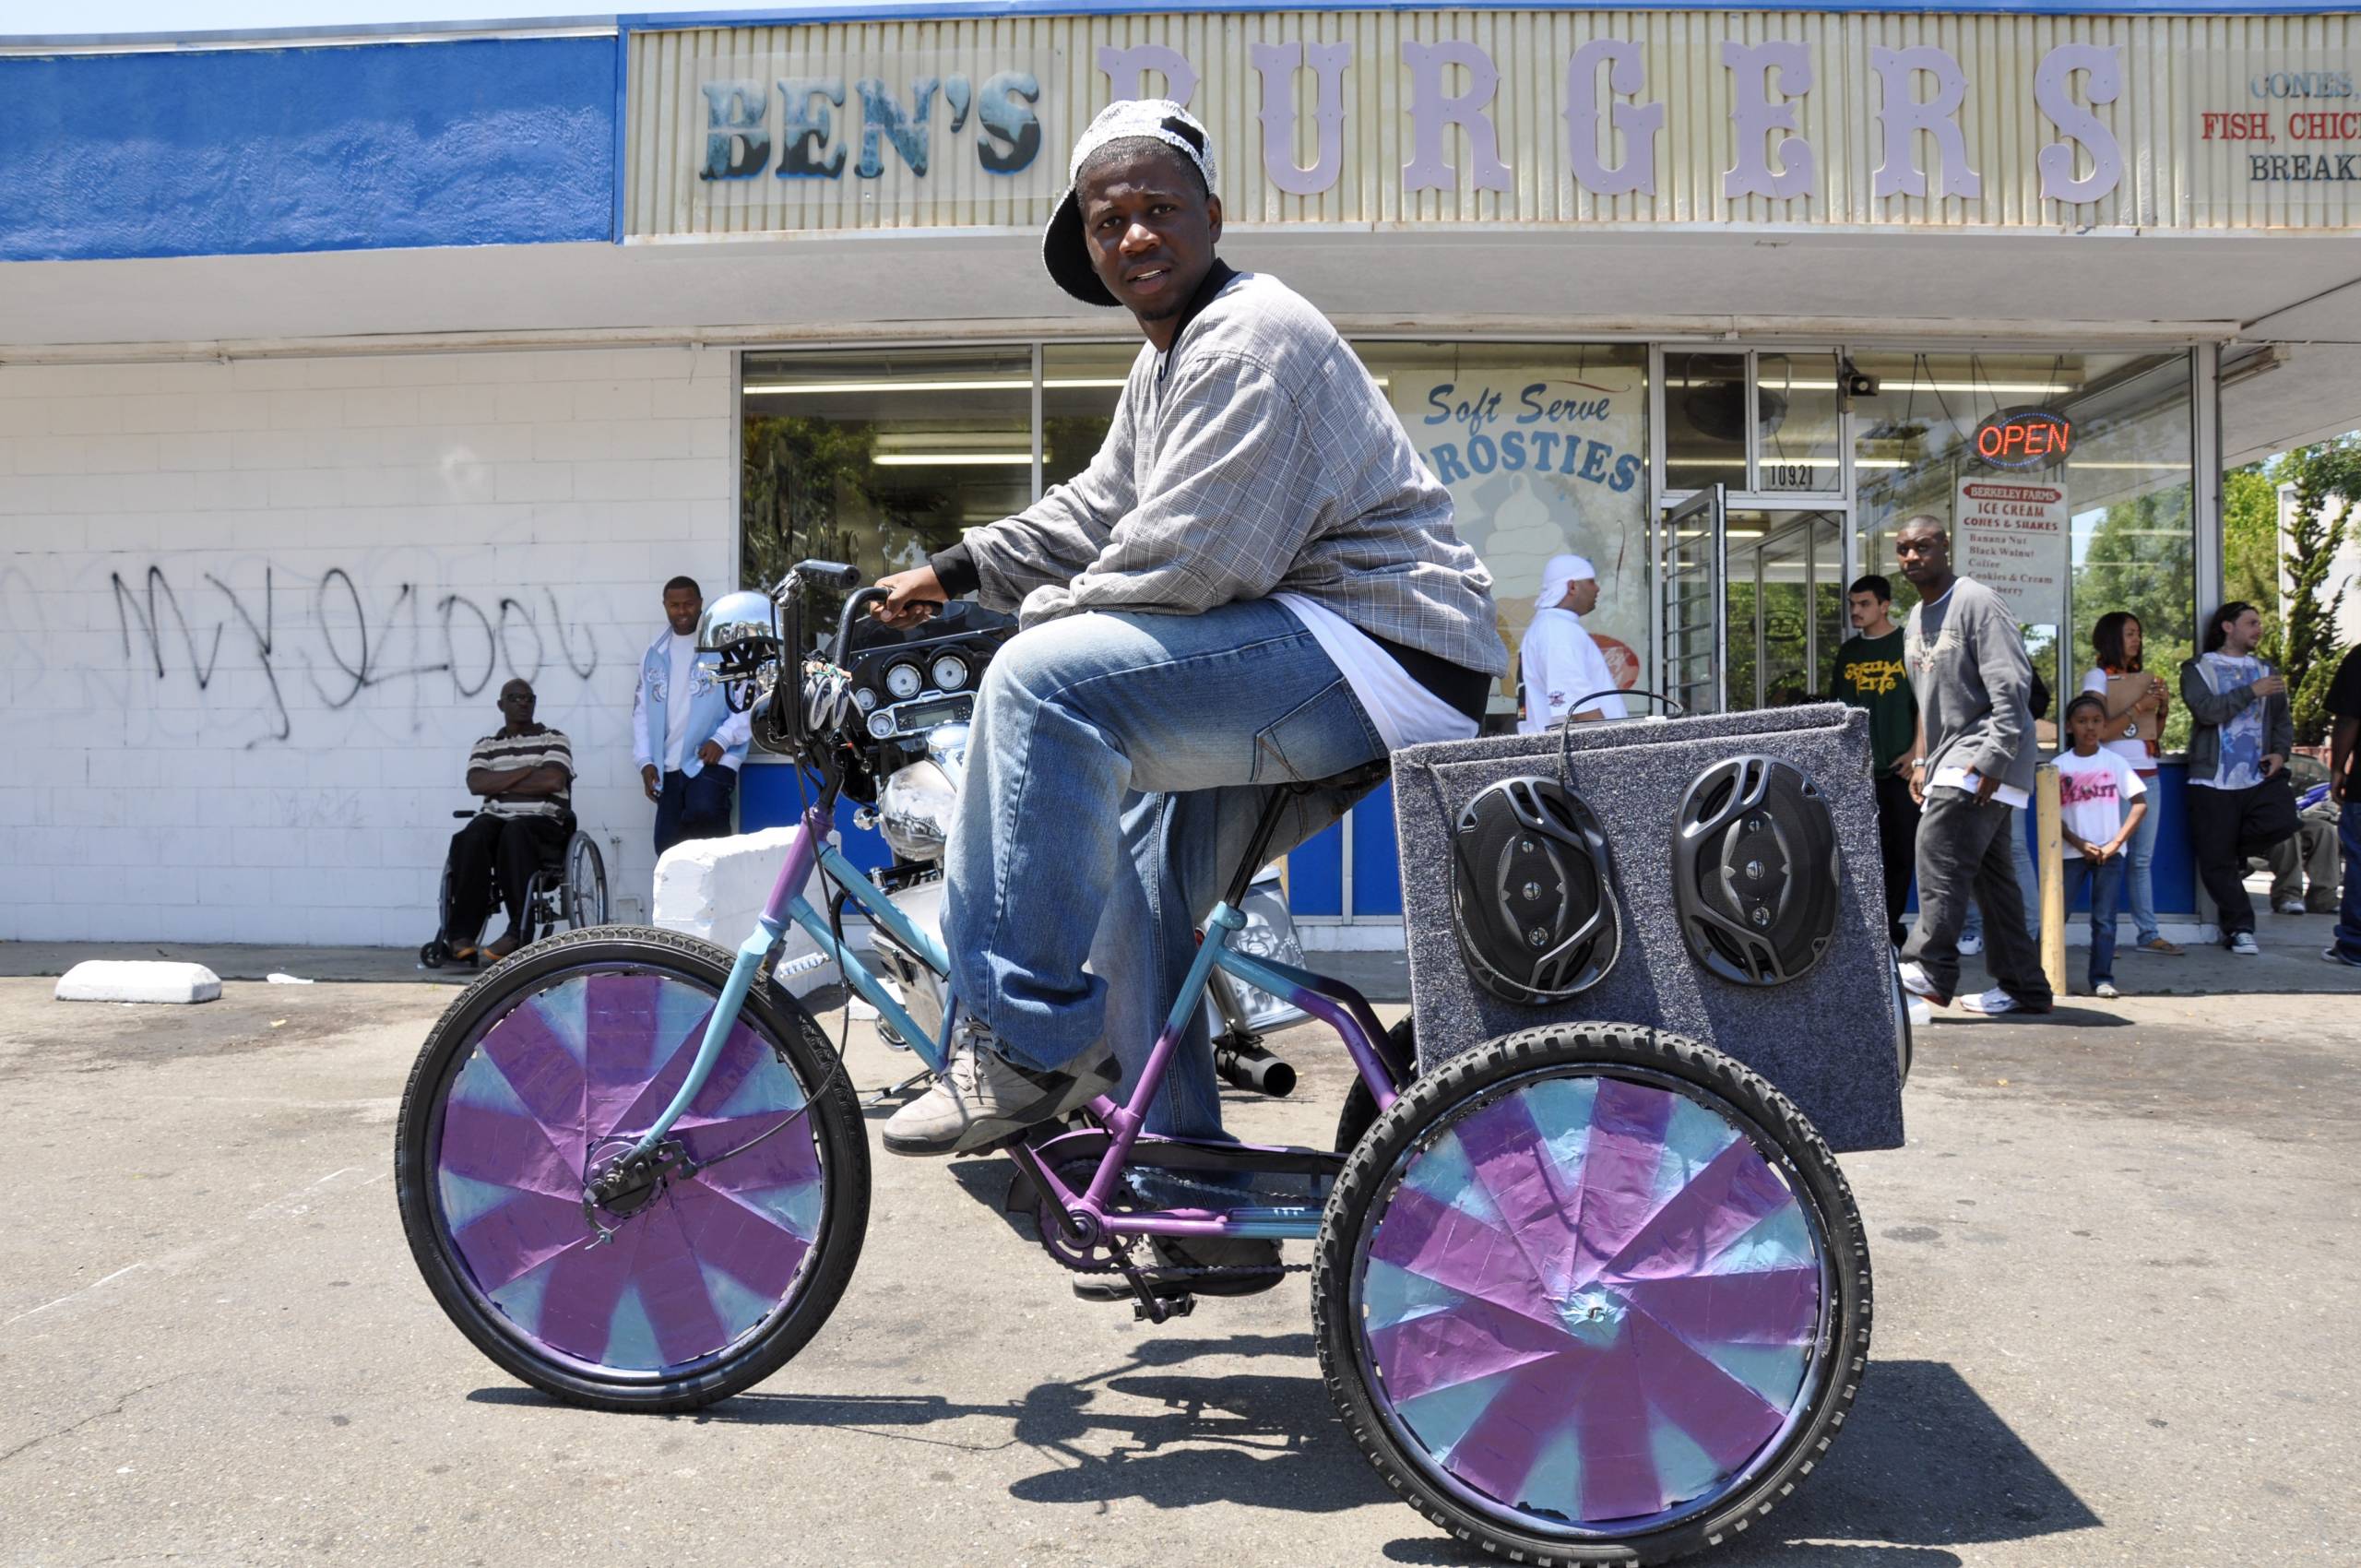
(1855, 384)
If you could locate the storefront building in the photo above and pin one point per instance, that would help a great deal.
(527, 323)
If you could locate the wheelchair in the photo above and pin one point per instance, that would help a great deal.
(569, 889)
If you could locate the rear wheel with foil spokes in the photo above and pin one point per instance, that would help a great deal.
(701, 1280)
(1592, 1294)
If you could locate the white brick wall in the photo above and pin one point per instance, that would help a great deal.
(302, 791)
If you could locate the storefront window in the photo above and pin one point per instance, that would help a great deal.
(2110, 526)
(879, 458)
(1799, 446)
(1704, 420)
(1544, 448)
(1080, 385)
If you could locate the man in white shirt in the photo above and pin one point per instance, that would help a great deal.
(1564, 673)
(687, 742)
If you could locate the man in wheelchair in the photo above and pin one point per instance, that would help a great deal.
(1255, 583)
(524, 773)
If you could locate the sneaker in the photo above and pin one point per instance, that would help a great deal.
(981, 1098)
(2289, 907)
(1258, 1258)
(2243, 945)
(2105, 991)
(2339, 956)
(1914, 981)
(1994, 1001)
(1969, 947)
(2162, 948)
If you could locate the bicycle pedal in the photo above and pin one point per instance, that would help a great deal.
(1163, 1308)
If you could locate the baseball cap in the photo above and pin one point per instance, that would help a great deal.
(1157, 119)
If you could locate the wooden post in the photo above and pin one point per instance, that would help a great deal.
(2049, 863)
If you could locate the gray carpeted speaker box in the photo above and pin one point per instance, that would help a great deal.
(1834, 1040)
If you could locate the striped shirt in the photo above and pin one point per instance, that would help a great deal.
(504, 753)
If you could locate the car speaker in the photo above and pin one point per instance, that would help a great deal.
(1754, 869)
(1533, 892)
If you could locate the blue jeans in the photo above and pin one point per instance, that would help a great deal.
(1116, 770)
(2107, 890)
(2028, 883)
(2139, 879)
(694, 808)
(2348, 913)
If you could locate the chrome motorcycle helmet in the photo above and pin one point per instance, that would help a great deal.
(744, 628)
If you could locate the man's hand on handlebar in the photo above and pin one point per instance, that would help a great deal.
(913, 596)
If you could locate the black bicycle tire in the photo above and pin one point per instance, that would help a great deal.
(835, 1112)
(1334, 1333)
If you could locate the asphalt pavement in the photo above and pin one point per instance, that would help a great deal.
(2116, 1283)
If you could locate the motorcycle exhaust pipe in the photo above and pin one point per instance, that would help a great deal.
(1250, 1066)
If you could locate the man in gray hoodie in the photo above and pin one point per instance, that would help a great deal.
(1255, 583)
(1975, 760)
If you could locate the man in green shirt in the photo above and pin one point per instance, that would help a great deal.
(1868, 673)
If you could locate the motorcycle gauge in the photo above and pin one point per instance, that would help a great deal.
(903, 681)
(881, 725)
(950, 673)
(865, 698)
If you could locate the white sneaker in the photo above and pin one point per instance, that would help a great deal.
(982, 1097)
(2105, 991)
(1969, 947)
(1991, 1001)
(1914, 981)
(2243, 945)
(1920, 1014)
(2288, 907)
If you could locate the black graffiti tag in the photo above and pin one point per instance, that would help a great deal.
(348, 660)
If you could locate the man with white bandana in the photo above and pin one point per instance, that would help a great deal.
(1565, 674)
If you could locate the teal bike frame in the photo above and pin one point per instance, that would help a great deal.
(1334, 1004)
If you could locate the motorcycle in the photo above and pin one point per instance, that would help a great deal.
(916, 690)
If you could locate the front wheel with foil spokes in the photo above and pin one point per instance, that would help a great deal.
(1592, 1294)
(700, 1280)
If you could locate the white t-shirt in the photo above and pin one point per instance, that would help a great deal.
(1405, 712)
(676, 701)
(2131, 749)
(1965, 779)
(2094, 792)
(1562, 664)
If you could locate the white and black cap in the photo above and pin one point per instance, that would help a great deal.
(1156, 119)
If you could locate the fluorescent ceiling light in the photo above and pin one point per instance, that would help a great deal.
(952, 459)
(995, 383)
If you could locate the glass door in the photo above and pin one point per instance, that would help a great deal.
(1784, 604)
(1692, 651)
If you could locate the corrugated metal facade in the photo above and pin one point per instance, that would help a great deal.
(2174, 70)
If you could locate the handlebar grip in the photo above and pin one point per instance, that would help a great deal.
(854, 605)
(834, 574)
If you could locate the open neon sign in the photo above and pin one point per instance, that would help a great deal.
(2024, 438)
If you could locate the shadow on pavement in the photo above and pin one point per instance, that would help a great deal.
(1923, 1463)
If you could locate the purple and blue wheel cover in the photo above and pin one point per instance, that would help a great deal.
(1590, 1299)
(596, 1057)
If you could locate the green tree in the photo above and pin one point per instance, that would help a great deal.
(2250, 540)
(2327, 480)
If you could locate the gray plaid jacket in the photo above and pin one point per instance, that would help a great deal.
(1257, 456)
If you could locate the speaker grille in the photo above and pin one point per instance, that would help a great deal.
(1533, 892)
(1755, 874)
